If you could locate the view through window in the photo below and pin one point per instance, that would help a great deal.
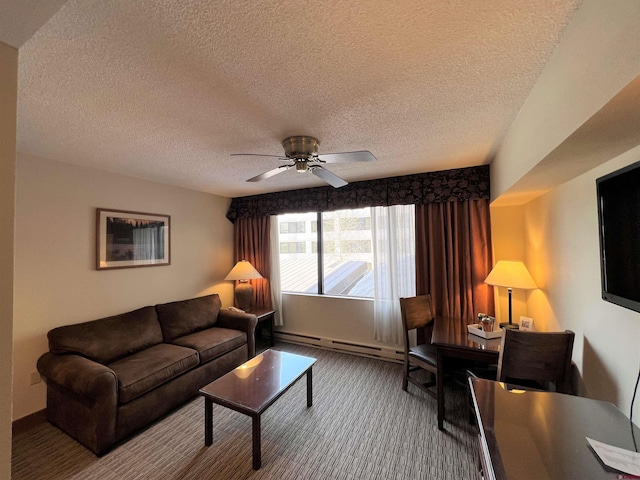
(345, 258)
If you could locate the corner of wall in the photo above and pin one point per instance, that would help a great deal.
(8, 107)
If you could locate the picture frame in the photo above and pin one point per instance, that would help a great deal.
(526, 324)
(126, 239)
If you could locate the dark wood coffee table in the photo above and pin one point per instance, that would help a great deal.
(253, 387)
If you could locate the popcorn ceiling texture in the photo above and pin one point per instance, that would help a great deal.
(166, 90)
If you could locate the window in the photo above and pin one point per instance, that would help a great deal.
(329, 246)
(292, 227)
(343, 266)
(355, 223)
(292, 247)
(356, 246)
(327, 226)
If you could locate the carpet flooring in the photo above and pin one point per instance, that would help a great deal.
(361, 426)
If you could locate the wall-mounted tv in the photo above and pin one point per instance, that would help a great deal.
(619, 225)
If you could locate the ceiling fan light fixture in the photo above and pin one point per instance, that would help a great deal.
(302, 151)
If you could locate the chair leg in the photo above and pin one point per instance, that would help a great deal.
(405, 378)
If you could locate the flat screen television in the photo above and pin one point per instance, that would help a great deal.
(619, 226)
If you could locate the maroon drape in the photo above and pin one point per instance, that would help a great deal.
(252, 244)
(453, 257)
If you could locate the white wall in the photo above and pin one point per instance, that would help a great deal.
(8, 104)
(347, 319)
(562, 246)
(56, 282)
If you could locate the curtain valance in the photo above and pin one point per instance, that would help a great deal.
(460, 184)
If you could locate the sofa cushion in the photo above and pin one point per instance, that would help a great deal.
(110, 338)
(213, 342)
(145, 370)
(187, 316)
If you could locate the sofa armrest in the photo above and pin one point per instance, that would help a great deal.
(79, 375)
(82, 398)
(245, 322)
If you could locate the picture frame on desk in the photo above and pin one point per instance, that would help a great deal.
(526, 324)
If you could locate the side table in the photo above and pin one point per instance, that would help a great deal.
(265, 315)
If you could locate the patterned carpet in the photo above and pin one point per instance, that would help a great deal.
(361, 426)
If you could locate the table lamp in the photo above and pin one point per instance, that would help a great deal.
(511, 275)
(243, 271)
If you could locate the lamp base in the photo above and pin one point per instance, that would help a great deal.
(244, 295)
(512, 326)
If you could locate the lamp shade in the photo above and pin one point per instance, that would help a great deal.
(243, 271)
(511, 275)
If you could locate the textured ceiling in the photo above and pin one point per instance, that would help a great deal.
(167, 90)
(20, 19)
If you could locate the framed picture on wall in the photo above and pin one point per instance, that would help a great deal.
(132, 239)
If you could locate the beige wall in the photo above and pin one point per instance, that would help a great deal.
(562, 245)
(8, 103)
(56, 282)
(507, 238)
(597, 56)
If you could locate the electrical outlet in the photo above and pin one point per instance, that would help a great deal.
(35, 378)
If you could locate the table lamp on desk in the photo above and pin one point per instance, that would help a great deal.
(511, 275)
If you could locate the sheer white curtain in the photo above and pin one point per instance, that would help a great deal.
(393, 233)
(274, 281)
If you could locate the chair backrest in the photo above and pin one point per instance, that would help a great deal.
(416, 312)
(537, 356)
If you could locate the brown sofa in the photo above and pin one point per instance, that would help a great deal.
(108, 378)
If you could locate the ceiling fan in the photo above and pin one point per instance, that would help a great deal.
(303, 152)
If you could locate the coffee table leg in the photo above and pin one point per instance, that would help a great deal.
(257, 455)
(309, 388)
(208, 422)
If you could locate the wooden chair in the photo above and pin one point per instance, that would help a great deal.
(536, 359)
(417, 313)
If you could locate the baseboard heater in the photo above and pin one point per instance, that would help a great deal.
(380, 353)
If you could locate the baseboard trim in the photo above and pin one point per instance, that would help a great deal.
(26, 423)
(370, 351)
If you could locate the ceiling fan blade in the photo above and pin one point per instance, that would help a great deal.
(270, 173)
(257, 155)
(331, 178)
(347, 157)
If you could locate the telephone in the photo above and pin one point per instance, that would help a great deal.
(234, 309)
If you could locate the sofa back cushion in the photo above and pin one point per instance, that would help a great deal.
(188, 316)
(108, 339)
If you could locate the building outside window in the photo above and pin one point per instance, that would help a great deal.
(327, 225)
(345, 259)
(292, 247)
(292, 227)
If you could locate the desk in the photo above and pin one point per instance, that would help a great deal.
(541, 435)
(452, 340)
